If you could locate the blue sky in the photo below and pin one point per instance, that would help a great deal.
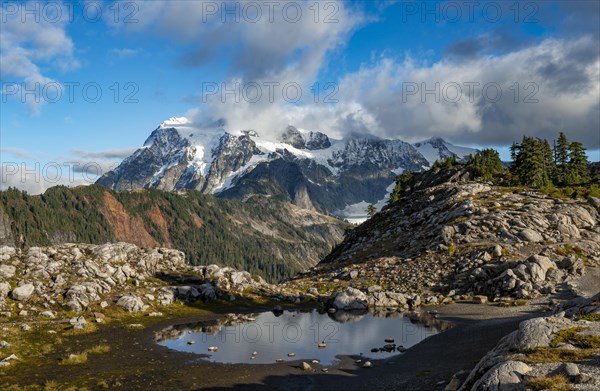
(161, 56)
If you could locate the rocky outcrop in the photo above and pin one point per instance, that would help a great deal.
(449, 239)
(85, 278)
(534, 350)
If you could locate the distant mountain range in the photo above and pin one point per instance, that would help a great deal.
(307, 168)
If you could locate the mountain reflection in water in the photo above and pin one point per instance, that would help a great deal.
(295, 335)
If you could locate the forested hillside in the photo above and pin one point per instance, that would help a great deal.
(264, 236)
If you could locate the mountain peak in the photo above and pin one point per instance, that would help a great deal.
(175, 122)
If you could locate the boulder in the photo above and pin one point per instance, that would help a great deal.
(131, 303)
(538, 332)
(78, 323)
(7, 271)
(594, 201)
(505, 376)
(530, 235)
(4, 289)
(350, 299)
(238, 278)
(568, 230)
(23, 292)
(208, 292)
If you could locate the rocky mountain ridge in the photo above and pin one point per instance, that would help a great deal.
(449, 238)
(305, 167)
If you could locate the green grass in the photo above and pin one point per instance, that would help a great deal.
(549, 355)
(569, 249)
(553, 383)
(581, 341)
(590, 317)
(75, 359)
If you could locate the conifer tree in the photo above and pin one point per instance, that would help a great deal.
(371, 210)
(577, 168)
(561, 159)
(532, 162)
(485, 164)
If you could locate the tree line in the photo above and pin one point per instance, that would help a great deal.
(535, 163)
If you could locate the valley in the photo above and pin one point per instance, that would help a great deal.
(450, 254)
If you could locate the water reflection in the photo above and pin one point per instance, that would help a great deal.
(307, 335)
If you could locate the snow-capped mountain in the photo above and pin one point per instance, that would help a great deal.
(437, 148)
(306, 167)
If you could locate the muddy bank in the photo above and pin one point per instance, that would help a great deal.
(136, 362)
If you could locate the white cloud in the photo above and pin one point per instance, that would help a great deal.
(562, 75)
(36, 178)
(565, 77)
(278, 41)
(29, 44)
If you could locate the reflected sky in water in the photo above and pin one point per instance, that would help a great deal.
(273, 337)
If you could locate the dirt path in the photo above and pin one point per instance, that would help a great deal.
(588, 284)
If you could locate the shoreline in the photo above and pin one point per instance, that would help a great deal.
(136, 361)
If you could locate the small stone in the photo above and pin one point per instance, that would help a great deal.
(78, 323)
(570, 369)
(480, 299)
(25, 327)
(305, 366)
(367, 364)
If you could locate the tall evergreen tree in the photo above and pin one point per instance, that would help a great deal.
(532, 162)
(485, 164)
(561, 159)
(371, 210)
(578, 171)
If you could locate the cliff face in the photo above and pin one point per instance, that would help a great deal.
(262, 235)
